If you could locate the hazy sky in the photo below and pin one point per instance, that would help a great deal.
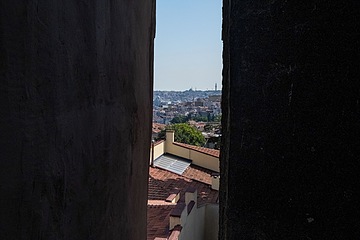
(188, 44)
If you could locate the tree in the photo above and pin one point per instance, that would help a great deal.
(217, 118)
(179, 119)
(185, 133)
(200, 119)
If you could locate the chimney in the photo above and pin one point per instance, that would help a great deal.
(169, 140)
(170, 135)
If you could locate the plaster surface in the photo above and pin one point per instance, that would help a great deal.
(75, 117)
(290, 154)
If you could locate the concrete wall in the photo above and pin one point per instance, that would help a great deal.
(205, 161)
(198, 158)
(211, 227)
(201, 224)
(178, 151)
(291, 146)
(194, 225)
(75, 118)
(159, 150)
(170, 138)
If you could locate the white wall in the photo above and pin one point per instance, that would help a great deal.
(193, 229)
(211, 221)
(201, 224)
(159, 150)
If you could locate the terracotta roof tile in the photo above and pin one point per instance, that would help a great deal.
(157, 127)
(156, 191)
(208, 151)
(158, 220)
(163, 183)
(199, 174)
(175, 233)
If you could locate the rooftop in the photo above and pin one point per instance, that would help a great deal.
(158, 217)
(179, 172)
(162, 184)
(157, 127)
(208, 151)
(172, 163)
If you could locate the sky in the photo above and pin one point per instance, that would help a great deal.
(188, 46)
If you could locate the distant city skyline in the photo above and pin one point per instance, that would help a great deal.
(188, 45)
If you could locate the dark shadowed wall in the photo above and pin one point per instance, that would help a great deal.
(290, 155)
(75, 115)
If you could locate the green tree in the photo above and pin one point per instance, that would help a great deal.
(179, 119)
(217, 118)
(200, 119)
(185, 133)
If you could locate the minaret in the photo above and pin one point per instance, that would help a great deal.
(215, 86)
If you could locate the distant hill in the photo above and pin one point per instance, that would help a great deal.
(187, 95)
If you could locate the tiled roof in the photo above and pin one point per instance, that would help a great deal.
(199, 174)
(158, 220)
(156, 191)
(157, 127)
(163, 183)
(208, 151)
(175, 233)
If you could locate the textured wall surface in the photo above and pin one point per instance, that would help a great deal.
(75, 115)
(290, 159)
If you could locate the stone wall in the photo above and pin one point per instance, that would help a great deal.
(291, 125)
(75, 117)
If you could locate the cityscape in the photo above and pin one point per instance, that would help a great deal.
(200, 109)
(254, 108)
